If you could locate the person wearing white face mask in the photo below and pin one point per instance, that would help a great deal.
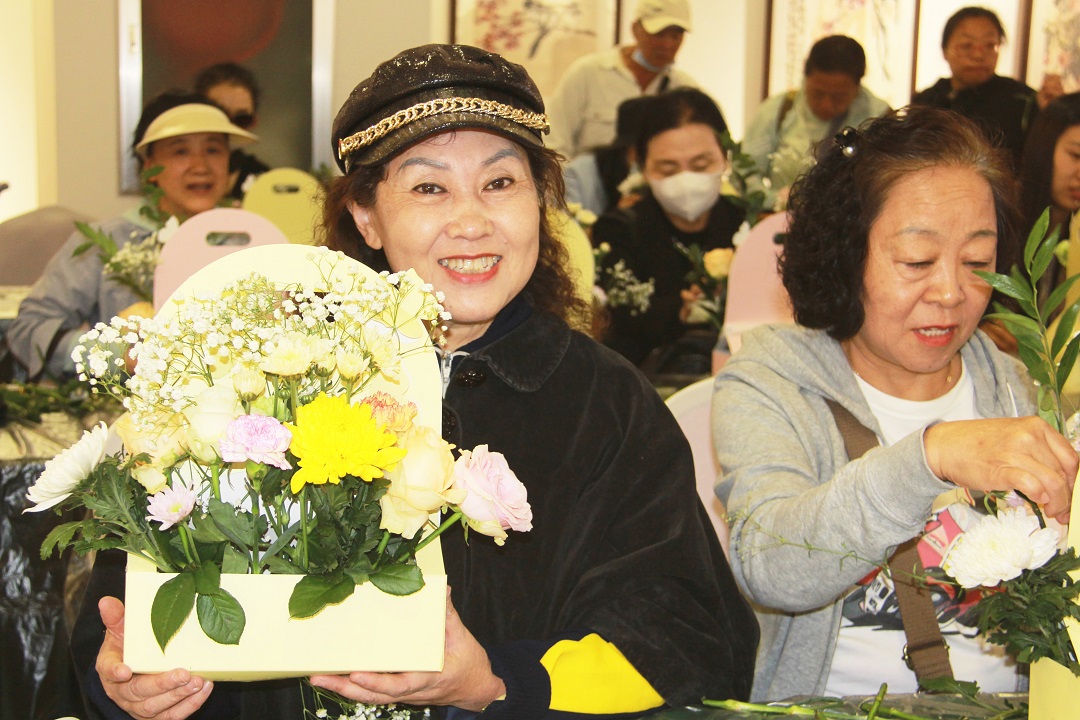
(681, 158)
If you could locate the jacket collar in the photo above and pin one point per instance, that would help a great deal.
(525, 357)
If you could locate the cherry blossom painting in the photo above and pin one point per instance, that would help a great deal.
(545, 36)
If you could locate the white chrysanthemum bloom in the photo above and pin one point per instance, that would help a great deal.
(68, 469)
(999, 548)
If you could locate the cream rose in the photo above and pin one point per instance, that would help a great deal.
(214, 408)
(162, 439)
(421, 483)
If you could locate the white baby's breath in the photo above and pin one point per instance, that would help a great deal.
(999, 548)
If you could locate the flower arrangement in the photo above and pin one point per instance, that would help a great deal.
(708, 275)
(266, 432)
(133, 265)
(617, 286)
(1012, 551)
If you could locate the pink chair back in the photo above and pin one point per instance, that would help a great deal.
(203, 239)
(692, 408)
(755, 294)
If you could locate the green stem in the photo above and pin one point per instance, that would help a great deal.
(303, 528)
(438, 531)
(382, 547)
(215, 480)
(188, 543)
(255, 531)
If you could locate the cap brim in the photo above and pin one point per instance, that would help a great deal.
(656, 25)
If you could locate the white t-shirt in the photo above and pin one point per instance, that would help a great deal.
(869, 649)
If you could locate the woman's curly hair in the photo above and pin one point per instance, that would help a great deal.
(834, 205)
(550, 289)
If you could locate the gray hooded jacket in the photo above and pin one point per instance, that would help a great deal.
(806, 524)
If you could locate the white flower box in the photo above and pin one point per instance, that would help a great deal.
(370, 630)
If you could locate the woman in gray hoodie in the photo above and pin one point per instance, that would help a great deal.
(885, 234)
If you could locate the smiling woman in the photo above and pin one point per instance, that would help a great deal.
(186, 141)
(620, 600)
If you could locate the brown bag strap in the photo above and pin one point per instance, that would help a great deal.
(925, 652)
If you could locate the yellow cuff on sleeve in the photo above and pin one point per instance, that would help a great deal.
(591, 676)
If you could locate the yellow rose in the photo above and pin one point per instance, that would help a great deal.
(162, 440)
(421, 483)
(150, 477)
(718, 262)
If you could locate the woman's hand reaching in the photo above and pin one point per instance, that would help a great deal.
(173, 695)
(1022, 454)
(466, 680)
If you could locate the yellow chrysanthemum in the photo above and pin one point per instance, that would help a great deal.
(332, 439)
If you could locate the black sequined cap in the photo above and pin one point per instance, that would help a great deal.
(433, 88)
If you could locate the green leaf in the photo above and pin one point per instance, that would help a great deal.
(1066, 324)
(315, 592)
(60, 535)
(1058, 296)
(1042, 258)
(281, 566)
(221, 617)
(233, 526)
(1035, 364)
(1068, 361)
(207, 578)
(234, 562)
(1034, 239)
(172, 606)
(1007, 285)
(398, 579)
(951, 686)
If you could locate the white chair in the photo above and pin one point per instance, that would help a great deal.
(755, 294)
(692, 408)
(289, 198)
(203, 239)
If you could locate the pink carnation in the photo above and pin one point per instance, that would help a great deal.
(495, 499)
(258, 438)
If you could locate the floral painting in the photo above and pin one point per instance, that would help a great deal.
(885, 29)
(1055, 27)
(545, 36)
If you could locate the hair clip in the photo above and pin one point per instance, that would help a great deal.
(845, 140)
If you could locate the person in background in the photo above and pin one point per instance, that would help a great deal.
(233, 88)
(594, 179)
(1050, 167)
(886, 232)
(788, 127)
(620, 600)
(584, 106)
(189, 138)
(1004, 107)
(684, 164)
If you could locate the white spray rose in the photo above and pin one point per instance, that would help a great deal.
(999, 548)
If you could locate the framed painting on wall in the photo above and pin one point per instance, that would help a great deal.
(545, 36)
(1053, 48)
(884, 28)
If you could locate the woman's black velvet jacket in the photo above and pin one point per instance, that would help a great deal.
(620, 545)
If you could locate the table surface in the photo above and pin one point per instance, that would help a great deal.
(931, 707)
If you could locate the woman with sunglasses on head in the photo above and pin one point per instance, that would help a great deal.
(233, 88)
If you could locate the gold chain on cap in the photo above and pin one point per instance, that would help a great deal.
(352, 143)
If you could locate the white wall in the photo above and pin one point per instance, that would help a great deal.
(28, 118)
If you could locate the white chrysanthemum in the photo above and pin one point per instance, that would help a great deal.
(68, 469)
(999, 548)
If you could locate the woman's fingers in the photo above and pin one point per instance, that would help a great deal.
(174, 695)
(1023, 454)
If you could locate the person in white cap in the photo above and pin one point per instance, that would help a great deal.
(189, 140)
(585, 104)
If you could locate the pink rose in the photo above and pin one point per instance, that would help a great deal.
(257, 438)
(495, 500)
